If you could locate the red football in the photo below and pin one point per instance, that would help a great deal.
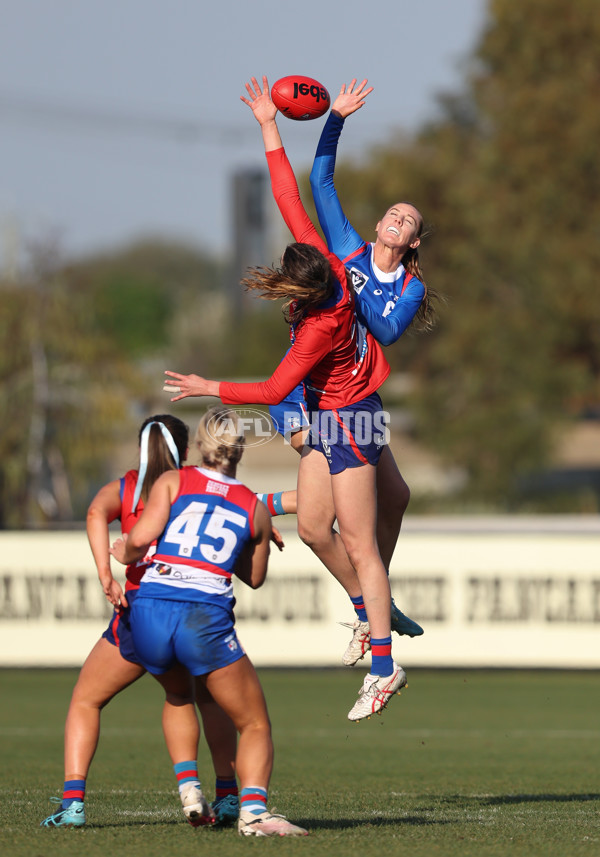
(300, 97)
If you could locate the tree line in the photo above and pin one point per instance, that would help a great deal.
(508, 180)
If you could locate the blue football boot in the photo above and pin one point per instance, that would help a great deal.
(71, 816)
(402, 625)
(227, 810)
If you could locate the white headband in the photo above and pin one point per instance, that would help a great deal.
(144, 456)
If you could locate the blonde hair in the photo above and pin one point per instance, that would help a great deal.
(219, 439)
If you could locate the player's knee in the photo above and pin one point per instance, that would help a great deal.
(363, 553)
(392, 507)
(355, 554)
(258, 726)
(314, 534)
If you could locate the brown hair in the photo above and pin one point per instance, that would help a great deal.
(160, 457)
(426, 316)
(304, 279)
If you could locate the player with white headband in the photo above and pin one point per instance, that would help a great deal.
(113, 665)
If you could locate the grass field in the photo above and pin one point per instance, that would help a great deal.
(462, 763)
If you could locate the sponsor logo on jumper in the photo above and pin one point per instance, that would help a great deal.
(358, 280)
(213, 487)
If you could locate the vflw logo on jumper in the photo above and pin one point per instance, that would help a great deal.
(358, 279)
(213, 487)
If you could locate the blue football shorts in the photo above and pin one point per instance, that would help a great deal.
(200, 635)
(119, 630)
(350, 436)
(290, 415)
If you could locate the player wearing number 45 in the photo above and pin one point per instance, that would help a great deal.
(208, 527)
(113, 665)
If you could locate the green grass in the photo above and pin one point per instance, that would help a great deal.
(463, 763)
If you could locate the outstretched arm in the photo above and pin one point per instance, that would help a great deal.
(295, 366)
(261, 104)
(351, 98)
(283, 180)
(342, 239)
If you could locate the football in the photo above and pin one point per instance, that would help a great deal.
(300, 97)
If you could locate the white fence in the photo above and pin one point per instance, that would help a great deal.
(489, 592)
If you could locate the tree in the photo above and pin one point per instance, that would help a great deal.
(84, 347)
(511, 179)
(64, 392)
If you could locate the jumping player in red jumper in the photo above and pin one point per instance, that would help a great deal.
(344, 366)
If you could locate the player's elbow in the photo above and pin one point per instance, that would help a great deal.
(388, 336)
(96, 514)
(260, 562)
(321, 180)
(257, 577)
(138, 542)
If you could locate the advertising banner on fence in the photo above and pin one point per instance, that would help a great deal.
(488, 594)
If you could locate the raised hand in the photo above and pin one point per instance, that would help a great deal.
(351, 98)
(259, 100)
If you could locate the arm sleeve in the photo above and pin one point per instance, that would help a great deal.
(342, 239)
(388, 328)
(310, 347)
(287, 197)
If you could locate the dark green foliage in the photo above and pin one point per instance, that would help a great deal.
(140, 293)
(63, 390)
(72, 377)
(135, 312)
(509, 179)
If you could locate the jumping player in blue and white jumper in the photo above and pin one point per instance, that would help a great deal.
(387, 279)
(390, 295)
(345, 367)
(208, 527)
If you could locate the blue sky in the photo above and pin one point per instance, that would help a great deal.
(121, 119)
